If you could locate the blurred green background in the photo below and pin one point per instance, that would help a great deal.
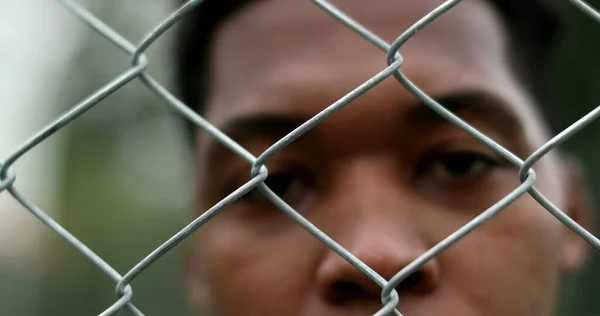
(120, 173)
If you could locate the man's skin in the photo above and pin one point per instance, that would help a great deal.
(384, 177)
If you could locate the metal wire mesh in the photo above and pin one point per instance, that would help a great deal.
(259, 172)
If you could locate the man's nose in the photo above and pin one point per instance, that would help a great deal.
(377, 224)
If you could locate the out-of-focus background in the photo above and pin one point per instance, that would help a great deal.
(118, 177)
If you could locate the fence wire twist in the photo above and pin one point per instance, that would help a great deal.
(259, 172)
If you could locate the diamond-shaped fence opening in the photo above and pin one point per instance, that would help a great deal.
(256, 165)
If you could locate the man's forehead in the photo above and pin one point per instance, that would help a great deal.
(299, 17)
(272, 27)
(265, 34)
(274, 42)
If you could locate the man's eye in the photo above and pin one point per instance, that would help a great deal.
(462, 165)
(281, 183)
(293, 187)
(466, 178)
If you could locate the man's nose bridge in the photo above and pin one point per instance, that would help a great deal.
(372, 209)
(374, 219)
(371, 192)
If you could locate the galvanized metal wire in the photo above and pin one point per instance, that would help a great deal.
(257, 169)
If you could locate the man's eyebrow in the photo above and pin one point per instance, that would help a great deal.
(481, 106)
(484, 107)
(262, 124)
(269, 126)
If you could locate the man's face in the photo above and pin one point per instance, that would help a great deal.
(385, 177)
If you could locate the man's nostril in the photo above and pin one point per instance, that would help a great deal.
(412, 281)
(343, 290)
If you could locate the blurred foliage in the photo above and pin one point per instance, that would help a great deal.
(128, 189)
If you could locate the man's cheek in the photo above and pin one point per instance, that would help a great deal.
(271, 269)
(512, 258)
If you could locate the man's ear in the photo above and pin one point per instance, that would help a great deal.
(197, 289)
(578, 207)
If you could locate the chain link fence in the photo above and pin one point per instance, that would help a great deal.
(137, 70)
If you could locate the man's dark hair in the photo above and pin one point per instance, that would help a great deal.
(531, 24)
